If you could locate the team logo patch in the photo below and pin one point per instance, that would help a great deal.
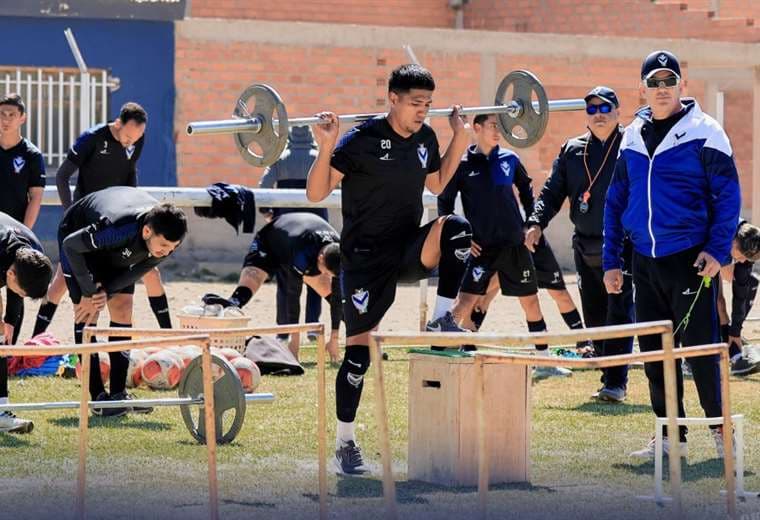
(462, 254)
(662, 59)
(104, 151)
(354, 379)
(556, 277)
(129, 151)
(18, 164)
(477, 273)
(505, 168)
(126, 252)
(525, 276)
(422, 155)
(360, 299)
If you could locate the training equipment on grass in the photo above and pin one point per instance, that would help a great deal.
(248, 372)
(134, 371)
(162, 370)
(260, 125)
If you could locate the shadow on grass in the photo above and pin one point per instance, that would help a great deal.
(605, 409)
(12, 440)
(711, 468)
(411, 491)
(112, 423)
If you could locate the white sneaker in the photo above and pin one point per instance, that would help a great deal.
(717, 435)
(9, 423)
(545, 372)
(648, 451)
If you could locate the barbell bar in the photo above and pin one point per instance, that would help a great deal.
(94, 405)
(257, 124)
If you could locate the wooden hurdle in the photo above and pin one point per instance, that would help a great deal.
(212, 334)
(667, 355)
(117, 346)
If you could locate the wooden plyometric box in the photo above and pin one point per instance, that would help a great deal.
(443, 435)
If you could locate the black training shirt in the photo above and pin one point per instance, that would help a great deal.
(295, 240)
(105, 228)
(102, 161)
(21, 167)
(384, 177)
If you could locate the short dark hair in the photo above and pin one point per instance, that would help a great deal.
(332, 257)
(131, 111)
(406, 77)
(33, 272)
(15, 100)
(480, 119)
(748, 241)
(167, 220)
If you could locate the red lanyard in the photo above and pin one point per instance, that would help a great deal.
(591, 181)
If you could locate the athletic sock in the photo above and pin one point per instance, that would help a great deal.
(442, 306)
(160, 307)
(349, 383)
(44, 317)
(346, 431)
(477, 316)
(538, 326)
(573, 319)
(241, 296)
(119, 361)
(96, 380)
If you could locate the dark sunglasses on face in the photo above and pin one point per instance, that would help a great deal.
(669, 82)
(604, 108)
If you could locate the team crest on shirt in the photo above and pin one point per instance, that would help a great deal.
(126, 252)
(477, 273)
(360, 299)
(422, 155)
(104, 151)
(462, 254)
(129, 150)
(505, 168)
(18, 164)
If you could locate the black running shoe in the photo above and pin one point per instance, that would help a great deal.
(124, 396)
(348, 459)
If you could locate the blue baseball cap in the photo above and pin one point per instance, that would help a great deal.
(606, 94)
(660, 60)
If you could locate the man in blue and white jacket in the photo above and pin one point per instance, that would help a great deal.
(675, 191)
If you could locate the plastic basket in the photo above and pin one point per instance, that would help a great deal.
(187, 321)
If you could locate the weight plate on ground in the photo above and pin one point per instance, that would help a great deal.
(261, 102)
(532, 122)
(229, 400)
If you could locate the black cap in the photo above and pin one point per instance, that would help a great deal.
(604, 93)
(660, 60)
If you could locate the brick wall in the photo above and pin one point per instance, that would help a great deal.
(422, 13)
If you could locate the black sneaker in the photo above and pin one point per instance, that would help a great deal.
(744, 366)
(103, 396)
(348, 459)
(124, 396)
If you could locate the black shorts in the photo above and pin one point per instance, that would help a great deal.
(548, 272)
(260, 257)
(368, 280)
(100, 274)
(513, 264)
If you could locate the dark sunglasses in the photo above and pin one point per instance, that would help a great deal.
(604, 108)
(669, 82)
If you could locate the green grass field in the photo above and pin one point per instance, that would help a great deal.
(149, 466)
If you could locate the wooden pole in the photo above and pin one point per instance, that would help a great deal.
(483, 469)
(671, 411)
(728, 434)
(84, 410)
(381, 413)
(322, 423)
(208, 405)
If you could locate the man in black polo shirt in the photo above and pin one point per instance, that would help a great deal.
(303, 245)
(26, 271)
(582, 173)
(108, 240)
(22, 177)
(106, 155)
(384, 164)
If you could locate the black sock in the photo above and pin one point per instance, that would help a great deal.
(241, 296)
(573, 319)
(724, 332)
(477, 316)
(160, 307)
(3, 377)
(44, 317)
(119, 362)
(350, 381)
(455, 249)
(96, 381)
(538, 326)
